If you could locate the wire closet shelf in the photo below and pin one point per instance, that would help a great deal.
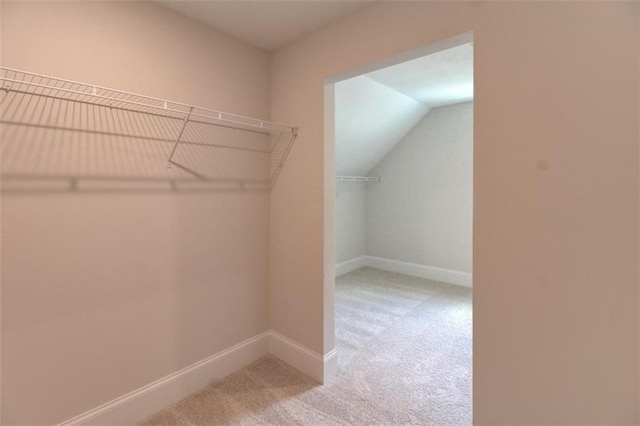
(197, 143)
(358, 179)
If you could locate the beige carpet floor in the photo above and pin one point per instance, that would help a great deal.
(404, 357)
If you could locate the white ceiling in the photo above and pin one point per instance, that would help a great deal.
(265, 24)
(442, 78)
(375, 111)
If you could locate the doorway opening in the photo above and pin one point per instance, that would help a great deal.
(398, 232)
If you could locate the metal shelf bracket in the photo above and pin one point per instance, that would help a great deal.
(175, 146)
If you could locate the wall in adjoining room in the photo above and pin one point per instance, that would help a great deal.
(422, 211)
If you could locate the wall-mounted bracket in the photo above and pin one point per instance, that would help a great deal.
(175, 146)
(358, 178)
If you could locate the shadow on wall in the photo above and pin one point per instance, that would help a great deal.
(61, 137)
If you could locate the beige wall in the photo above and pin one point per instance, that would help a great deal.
(129, 287)
(555, 197)
(351, 241)
(106, 292)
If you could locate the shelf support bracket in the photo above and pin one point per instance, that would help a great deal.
(175, 146)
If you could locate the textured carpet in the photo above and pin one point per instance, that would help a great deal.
(404, 357)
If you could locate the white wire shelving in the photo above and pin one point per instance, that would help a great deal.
(41, 116)
(358, 179)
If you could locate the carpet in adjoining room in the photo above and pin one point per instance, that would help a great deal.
(404, 357)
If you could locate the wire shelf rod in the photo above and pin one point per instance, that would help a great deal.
(122, 97)
(163, 101)
(117, 104)
(180, 115)
(359, 178)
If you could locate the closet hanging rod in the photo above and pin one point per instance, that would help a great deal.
(44, 85)
(359, 178)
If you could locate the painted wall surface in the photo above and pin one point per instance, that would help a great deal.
(104, 292)
(555, 258)
(422, 211)
(350, 221)
(370, 120)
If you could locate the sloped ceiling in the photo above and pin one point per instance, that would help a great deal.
(375, 111)
(442, 78)
(370, 120)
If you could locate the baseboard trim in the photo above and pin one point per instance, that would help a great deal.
(144, 401)
(350, 265)
(449, 276)
(149, 399)
(302, 358)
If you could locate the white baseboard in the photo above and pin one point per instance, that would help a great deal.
(149, 399)
(350, 265)
(423, 271)
(412, 269)
(302, 358)
(155, 396)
